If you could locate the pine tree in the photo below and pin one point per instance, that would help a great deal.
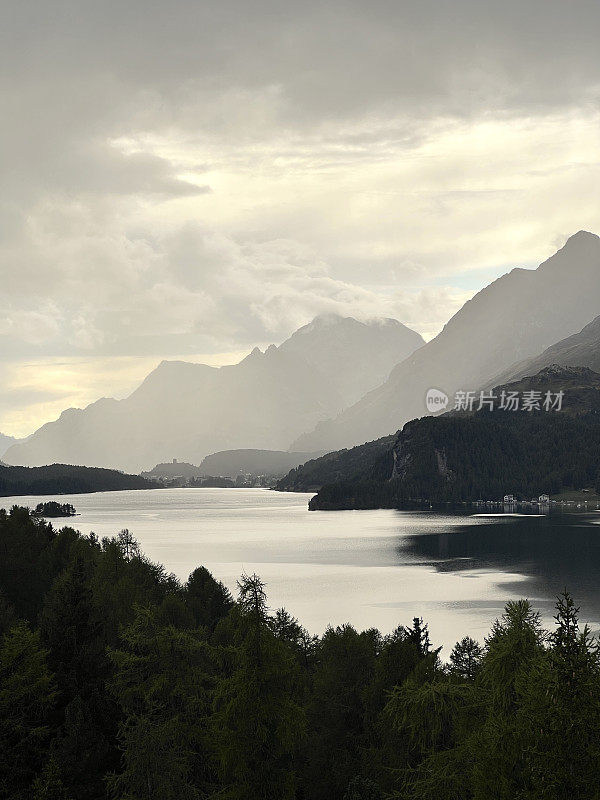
(465, 658)
(257, 723)
(337, 710)
(128, 545)
(514, 646)
(162, 683)
(559, 719)
(287, 629)
(208, 600)
(27, 694)
(49, 785)
(71, 626)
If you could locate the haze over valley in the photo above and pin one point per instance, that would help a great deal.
(187, 411)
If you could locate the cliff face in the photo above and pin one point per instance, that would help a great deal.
(461, 456)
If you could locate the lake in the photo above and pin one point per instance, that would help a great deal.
(369, 568)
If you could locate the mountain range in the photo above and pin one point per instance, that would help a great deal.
(513, 319)
(187, 411)
(338, 382)
(230, 463)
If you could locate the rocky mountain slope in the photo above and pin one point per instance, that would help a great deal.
(514, 318)
(580, 350)
(355, 356)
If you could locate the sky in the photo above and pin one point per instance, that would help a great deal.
(191, 179)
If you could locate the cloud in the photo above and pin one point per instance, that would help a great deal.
(188, 289)
(199, 178)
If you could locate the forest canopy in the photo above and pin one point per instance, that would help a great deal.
(119, 681)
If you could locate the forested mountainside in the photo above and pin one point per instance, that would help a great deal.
(119, 681)
(478, 454)
(357, 462)
(66, 479)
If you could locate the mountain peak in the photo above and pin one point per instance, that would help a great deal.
(518, 315)
(582, 236)
(582, 240)
(383, 322)
(325, 320)
(579, 255)
(328, 320)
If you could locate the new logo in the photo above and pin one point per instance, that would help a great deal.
(435, 400)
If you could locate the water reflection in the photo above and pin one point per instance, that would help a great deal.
(371, 568)
(551, 552)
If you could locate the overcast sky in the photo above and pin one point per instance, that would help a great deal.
(190, 179)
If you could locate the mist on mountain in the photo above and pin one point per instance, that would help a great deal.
(187, 411)
(514, 318)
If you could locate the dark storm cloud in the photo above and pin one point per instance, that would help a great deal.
(76, 74)
(330, 58)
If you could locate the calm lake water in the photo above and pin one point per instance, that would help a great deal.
(370, 568)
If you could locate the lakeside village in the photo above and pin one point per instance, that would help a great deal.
(181, 475)
(543, 504)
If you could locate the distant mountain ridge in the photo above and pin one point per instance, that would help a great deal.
(173, 469)
(187, 411)
(230, 463)
(5, 443)
(266, 462)
(514, 318)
